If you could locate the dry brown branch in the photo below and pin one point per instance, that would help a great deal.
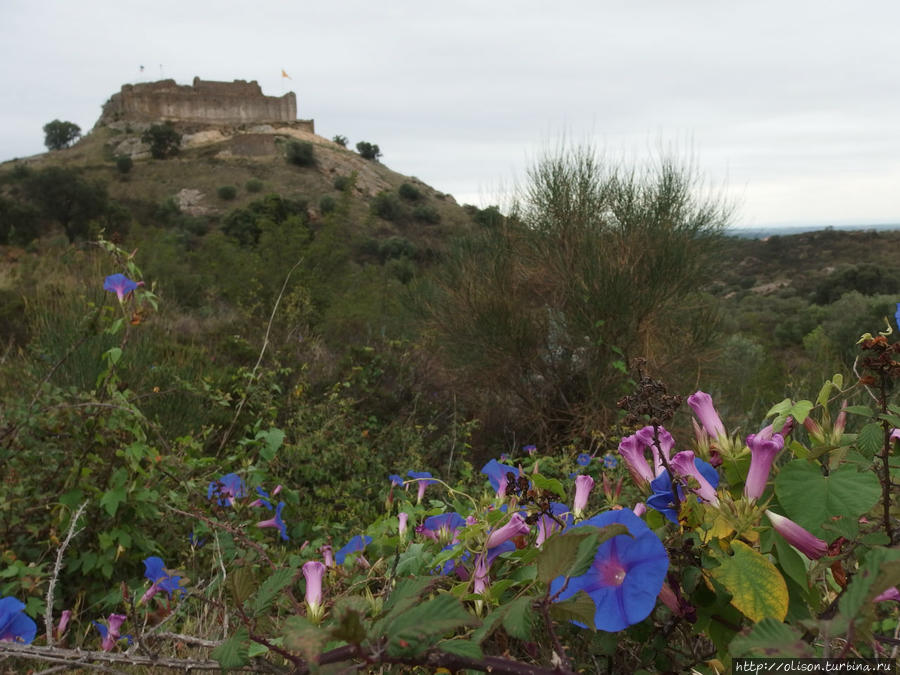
(48, 615)
(90, 659)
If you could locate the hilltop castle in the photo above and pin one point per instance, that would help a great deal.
(238, 102)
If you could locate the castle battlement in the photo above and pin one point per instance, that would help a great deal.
(237, 102)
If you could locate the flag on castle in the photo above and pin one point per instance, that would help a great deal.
(284, 74)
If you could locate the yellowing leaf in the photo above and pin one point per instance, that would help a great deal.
(720, 529)
(757, 588)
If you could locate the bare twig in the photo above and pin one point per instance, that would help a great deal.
(48, 614)
(237, 413)
(91, 659)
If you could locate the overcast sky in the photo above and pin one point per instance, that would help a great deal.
(791, 109)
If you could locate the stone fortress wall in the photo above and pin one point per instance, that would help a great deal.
(238, 102)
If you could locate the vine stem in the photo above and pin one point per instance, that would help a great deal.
(240, 407)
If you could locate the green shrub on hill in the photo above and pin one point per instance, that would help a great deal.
(300, 153)
(163, 139)
(227, 192)
(254, 185)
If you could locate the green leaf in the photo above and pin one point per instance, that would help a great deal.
(412, 560)
(770, 637)
(863, 410)
(490, 622)
(270, 588)
(880, 570)
(350, 626)
(580, 607)
(893, 420)
(811, 499)
(549, 484)
(800, 410)
(824, 392)
(407, 593)
(242, 584)
(112, 498)
(464, 648)
(274, 438)
(304, 637)
(780, 408)
(519, 618)
(869, 439)
(233, 653)
(791, 562)
(113, 355)
(415, 630)
(757, 588)
(563, 554)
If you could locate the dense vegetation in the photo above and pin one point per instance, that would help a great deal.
(300, 347)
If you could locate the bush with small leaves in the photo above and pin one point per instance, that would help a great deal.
(253, 185)
(301, 153)
(340, 140)
(327, 204)
(368, 150)
(343, 183)
(227, 192)
(387, 206)
(409, 192)
(427, 214)
(124, 164)
(163, 139)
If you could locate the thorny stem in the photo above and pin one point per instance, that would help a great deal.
(885, 462)
(48, 616)
(665, 463)
(557, 645)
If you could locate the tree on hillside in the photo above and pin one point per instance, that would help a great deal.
(539, 314)
(62, 195)
(59, 134)
(368, 150)
(164, 141)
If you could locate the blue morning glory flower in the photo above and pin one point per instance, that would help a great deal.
(583, 459)
(496, 473)
(610, 462)
(355, 545)
(120, 285)
(661, 499)
(15, 625)
(276, 521)
(396, 479)
(626, 576)
(226, 489)
(160, 579)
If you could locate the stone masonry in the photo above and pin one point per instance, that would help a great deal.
(238, 102)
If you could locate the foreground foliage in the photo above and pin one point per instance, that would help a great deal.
(672, 552)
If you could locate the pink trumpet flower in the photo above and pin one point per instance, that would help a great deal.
(327, 555)
(513, 528)
(640, 509)
(313, 571)
(702, 405)
(632, 450)
(803, 540)
(583, 487)
(683, 465)
(404, 520)
(762, 453)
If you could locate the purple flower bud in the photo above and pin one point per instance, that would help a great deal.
(404, 519)
(889, 594)
(327, 555)
(803, 540)
(313, 571)
(63, 622)
(814, 429)
(632, 451)
(666, 443)
(683, 465)
(513, 528)
(702, 405)
(583, 487)
(762, 453)
(481, 578)
(640, 509)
